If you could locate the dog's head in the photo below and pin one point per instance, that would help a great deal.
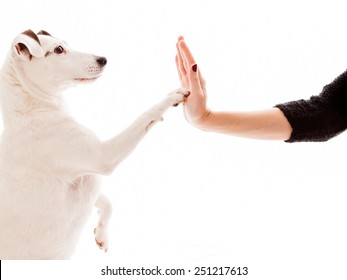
(48, 64)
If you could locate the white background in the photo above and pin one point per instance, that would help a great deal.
(187, 197)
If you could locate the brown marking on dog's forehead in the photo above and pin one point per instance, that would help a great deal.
(43, 32)
(32, 35)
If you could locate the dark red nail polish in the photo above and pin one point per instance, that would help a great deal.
(195, 67)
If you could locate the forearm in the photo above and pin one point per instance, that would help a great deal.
(268, 124)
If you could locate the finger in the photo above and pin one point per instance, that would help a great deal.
(186, 53)
(194, 79)
(202, 83)
(184, 61)
(203, 86)
(188, 57)
(181, 64)
(178, 68)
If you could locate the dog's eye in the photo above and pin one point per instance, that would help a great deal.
(59, 50)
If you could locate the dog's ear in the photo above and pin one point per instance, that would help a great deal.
(43, 32)
(26, 45)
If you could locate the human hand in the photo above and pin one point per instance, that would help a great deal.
(195, 108)
(266, 124)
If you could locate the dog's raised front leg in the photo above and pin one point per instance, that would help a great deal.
(119, 147)
(86, 154)
(101, 231)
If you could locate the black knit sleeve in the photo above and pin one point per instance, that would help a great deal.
(321, 117)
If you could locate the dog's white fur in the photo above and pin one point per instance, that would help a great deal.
(49, 163)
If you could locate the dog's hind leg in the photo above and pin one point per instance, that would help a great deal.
(101, 231)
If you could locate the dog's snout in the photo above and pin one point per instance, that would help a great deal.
(102, 61)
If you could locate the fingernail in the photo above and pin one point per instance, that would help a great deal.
(195, 67)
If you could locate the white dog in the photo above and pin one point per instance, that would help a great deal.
(48, 162)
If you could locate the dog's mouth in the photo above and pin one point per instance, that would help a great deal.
(87, 79)
(92, 71)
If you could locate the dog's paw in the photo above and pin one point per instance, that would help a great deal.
(177, 96)
(101, 237)
(172, 99)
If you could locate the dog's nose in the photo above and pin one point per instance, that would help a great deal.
(102, 61)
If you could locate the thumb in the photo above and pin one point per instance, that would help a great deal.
(202, 84)
(194, 79)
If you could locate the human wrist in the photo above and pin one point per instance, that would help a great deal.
(204, 121)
